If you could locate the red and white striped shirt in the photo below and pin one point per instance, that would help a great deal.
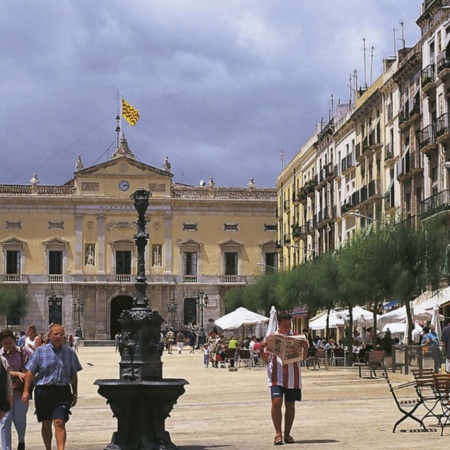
(287, 375)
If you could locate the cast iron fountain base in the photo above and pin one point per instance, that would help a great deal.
(141, 408)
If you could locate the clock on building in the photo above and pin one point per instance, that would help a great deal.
(124, 185)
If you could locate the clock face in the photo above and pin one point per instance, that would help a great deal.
(124, 185)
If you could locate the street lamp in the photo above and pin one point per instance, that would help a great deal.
(202, 303)
(362, 216)
(78, 307)
(172, 307)
(54, 309)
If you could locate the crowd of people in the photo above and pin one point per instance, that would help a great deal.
(43, 367)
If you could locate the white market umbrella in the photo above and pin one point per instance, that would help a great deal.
(238, 318)
(399, 315)
(361, 316)
(272, 327)
(435, 320)
(320, 321)
(399, 327)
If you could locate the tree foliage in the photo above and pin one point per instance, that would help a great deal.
(389, 261)
(14, 301)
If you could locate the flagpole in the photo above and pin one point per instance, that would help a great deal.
(121, 115)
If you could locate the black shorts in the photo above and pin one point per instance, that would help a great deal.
(290, 395)
(52, 402)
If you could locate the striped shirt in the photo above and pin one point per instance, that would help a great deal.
(53, 366)
(287, 375)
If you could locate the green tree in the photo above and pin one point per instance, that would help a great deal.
(14, 301)
(418, 257)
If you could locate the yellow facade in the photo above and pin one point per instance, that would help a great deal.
(76, 241)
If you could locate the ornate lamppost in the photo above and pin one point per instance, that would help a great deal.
(172, 308)
(141, 399)
(202, 303)
(78, 307)
(54, 309)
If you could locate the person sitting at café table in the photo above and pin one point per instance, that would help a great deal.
(434, 338)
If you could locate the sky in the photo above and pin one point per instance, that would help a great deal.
(223, 87)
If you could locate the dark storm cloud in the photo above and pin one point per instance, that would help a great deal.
(222, 86)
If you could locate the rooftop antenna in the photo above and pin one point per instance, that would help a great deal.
(282, 157)
(395, 42)
(332, 107)
(350, 89)
(403, 34)
(371, 63)
(365, 72)
(355, 76)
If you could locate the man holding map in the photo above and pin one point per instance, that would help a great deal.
(284, 379)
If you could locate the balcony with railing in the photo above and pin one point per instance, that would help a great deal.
(347, 163)
(55, 278)
(442, 128)
(435, 204)
(324, 174)
(324, 216)
(428, 78)
(13, 278)
(410, 164)
(388, 151)
(428, 138)
(116, 278)
(234, 279)
(310, 187)
(443, 65)
(390, 111)
(189, 278)
(346, 206)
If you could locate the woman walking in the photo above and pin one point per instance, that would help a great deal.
(16, 358)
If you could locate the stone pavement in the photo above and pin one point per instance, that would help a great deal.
(223, 410)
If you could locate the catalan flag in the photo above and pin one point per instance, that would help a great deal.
(130, 114)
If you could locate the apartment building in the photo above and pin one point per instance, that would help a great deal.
(384, 155)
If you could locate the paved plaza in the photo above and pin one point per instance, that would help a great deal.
(223, 410)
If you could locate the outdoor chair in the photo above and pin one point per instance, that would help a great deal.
(320, 357)
(407, 405)
(230, 355)
(338, 357)
(244, 357)
(425, 387)
(442, 391)
(374, 362)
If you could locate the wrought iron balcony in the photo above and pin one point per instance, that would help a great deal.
(435, 204)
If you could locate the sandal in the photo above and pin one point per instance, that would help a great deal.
(289, 440)
(278, 440)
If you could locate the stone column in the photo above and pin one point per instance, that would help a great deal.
(101, 244)
(168, 243)
(79, 256)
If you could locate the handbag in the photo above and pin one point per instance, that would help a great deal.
(17, 383)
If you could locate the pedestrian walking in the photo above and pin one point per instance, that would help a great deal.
(16, 357)
(54, 368)
(284, 381)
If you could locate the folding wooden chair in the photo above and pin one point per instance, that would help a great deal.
(442, 391)
(406, 405)
(320, 356)
(375, 362)
(424, 379)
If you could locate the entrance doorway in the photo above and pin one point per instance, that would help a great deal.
(118, 304)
